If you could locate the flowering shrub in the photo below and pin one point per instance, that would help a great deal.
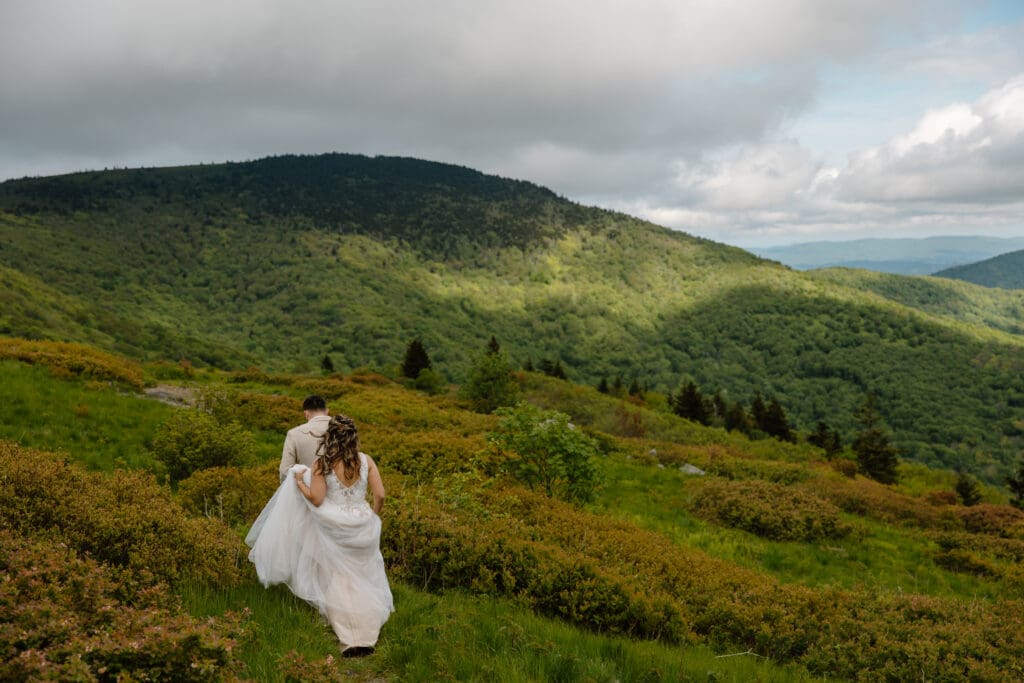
(73, 360)
(769, 510)
(123, 519)
(72, 619)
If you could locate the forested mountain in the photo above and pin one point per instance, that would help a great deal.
(1005, 271)
(901, 256)
(282, 261)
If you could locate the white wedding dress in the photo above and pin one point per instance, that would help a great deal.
(328, 555)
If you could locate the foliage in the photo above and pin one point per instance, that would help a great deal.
(232, 495)
(997, 520)
(416, 360)
(430, 381)
(490, 384)
(68, 617)
(876, 456)
(442, 253)
(124, 519)
(770, 510)
(689, 403)
(826, 439)
(191, 440)
(967, 489)
(73, 360)
(542, 448)
(1016, 485)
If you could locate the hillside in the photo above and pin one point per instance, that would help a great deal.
(900, 256)
(773, 566)
(282, 261)
(1005, 271)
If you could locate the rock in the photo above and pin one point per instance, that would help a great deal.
(691, 469)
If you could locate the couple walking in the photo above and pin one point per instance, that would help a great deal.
(318, 535)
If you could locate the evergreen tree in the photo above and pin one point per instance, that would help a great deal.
(552, 368)
(416, 359)
(528, 365)
(1016, 485)
(776, 423)
(736, 419)
(719, 406)
(327, 364)
(602, 386)
(877, 457)
(826, 439)
(634, 387)
(493, 346)
(967, 489)
(758, 411)
(617, 389)
(690, 404)
(491, 384)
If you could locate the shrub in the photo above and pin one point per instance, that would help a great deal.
(769, 510)
(542, 448)
(192, 440)
(123, 519)
(430, 381)
(73, 360)
(231, 494)
(69, 618)
(869, 498)
(998, 520)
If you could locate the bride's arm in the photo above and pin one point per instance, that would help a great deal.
(376, 485)
(316, 490)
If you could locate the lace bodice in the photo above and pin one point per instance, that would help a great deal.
(348, 496)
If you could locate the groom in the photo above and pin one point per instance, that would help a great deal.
(301, 442)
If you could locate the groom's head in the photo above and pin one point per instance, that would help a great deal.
(314, 405)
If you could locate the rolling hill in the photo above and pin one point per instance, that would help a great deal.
(900, 256)
(1005, 271)
(281, 261)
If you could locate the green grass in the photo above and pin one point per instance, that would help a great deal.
(96, 425)
(881, 556)
(459, 637)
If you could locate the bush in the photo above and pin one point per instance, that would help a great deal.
(73, 619)
(123, 519)
(769, 510)
(869, 498)
(998, 520)
(430, 381)
(74, 360)
(542, 448)
(231, 494)
(191, 440)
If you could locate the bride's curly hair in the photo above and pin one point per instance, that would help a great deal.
(339, 443)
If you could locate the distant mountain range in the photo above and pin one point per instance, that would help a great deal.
(283, 261)
(1005, 271)
(900, 256)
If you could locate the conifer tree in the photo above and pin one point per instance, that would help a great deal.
(634, 387)
(967, 489)
(552, 368)
(736, 419)
(1016, 485)
(528, 365)
(327, 364)
(617, 389)
(602, 386)
(416, 360)
(776, 423)
(491, 384)
(690, 404)
(758, 411)
(877, 457)
(493, 346)
(826, 439)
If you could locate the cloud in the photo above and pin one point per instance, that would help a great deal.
(486, 83)
(961, 153)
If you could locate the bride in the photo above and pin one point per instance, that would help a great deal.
(321, 538)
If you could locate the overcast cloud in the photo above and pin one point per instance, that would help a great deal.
(687, 113)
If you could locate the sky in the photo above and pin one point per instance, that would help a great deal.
(755, 122)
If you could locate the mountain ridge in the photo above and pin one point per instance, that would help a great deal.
(1005, 271)
(156, 267)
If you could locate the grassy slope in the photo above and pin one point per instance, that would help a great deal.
(466, 637)
(282, 261)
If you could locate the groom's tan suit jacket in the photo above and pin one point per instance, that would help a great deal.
(301, 443)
